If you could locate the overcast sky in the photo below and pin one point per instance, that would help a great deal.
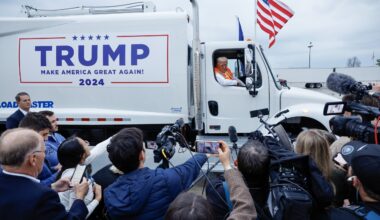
(338, 29)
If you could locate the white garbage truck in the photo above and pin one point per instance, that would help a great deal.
(111, 69)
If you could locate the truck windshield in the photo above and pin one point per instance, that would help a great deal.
(275, 79)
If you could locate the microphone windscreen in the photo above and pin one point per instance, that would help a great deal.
(340, 83)
(180, 122)
(232, 134)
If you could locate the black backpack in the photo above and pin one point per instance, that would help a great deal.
(296, 184)
(289, 196)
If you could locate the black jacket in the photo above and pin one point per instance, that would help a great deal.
(346, 213)
(14, 119)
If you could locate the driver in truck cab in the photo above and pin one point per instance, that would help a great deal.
(224, 75)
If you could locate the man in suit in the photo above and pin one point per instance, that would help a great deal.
(39, 123)
(23, 102)
(22, 154)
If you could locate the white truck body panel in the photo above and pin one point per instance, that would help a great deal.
(156, 94)
(134, 69)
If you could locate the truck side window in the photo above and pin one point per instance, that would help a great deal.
(227, 71)
(235, 63)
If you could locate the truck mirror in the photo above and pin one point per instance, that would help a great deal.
(251, 86)
(248, 55)
(250, 81)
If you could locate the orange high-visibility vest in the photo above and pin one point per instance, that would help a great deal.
(227, 75)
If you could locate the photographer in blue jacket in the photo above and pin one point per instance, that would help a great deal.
(143, 193)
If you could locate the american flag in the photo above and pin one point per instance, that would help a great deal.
(272, 15)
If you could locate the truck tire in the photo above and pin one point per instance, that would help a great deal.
(283, 136)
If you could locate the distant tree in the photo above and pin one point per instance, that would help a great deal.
(353, 62)
(378, 62)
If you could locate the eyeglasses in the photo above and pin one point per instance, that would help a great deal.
(37, 151)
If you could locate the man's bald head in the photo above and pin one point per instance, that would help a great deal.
(15, 144)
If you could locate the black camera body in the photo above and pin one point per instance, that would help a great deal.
(359, 128)
(353, 127)
(166, 141)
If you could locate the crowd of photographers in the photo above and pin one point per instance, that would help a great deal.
(323, 176)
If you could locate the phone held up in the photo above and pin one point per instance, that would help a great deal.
(208, 147)
(78, 174)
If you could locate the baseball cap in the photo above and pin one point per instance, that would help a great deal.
(365, 162)
(350, 148)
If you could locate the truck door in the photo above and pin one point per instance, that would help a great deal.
(233, 105)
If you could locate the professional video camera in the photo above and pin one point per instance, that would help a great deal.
(358, 128)
(166, 141)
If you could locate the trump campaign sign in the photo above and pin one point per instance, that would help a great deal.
(92, 59)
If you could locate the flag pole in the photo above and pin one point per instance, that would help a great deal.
(255, 40)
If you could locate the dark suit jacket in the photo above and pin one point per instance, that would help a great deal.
(22, 198)
(14, 119)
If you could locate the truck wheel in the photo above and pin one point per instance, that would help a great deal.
(283, 136)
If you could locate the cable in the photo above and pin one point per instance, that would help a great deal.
(204, 183)
(184, 143)
(209, 181)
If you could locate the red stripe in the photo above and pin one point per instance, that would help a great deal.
(273, 4)
(272, 42)
(69, 119)
(101, 119)
(85, 119)
(268, 22)
(278, 25)
(264, 9)
(275, 14)
(118, 119)
(281, 8)
(270, 32)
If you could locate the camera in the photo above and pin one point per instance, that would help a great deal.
(353, 127)
(166, 141)
(359, 128)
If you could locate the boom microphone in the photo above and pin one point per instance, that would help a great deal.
(345, 84)
(340, 83)
(232, 134)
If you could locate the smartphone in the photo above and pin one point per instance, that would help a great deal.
(340, 161)
(334, 108)
(78, 174)
(210, 147)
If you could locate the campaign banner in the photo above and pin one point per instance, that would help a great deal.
(91, 59)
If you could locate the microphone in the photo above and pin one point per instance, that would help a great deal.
(340, 83)
(232, 134)
(178, 125)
